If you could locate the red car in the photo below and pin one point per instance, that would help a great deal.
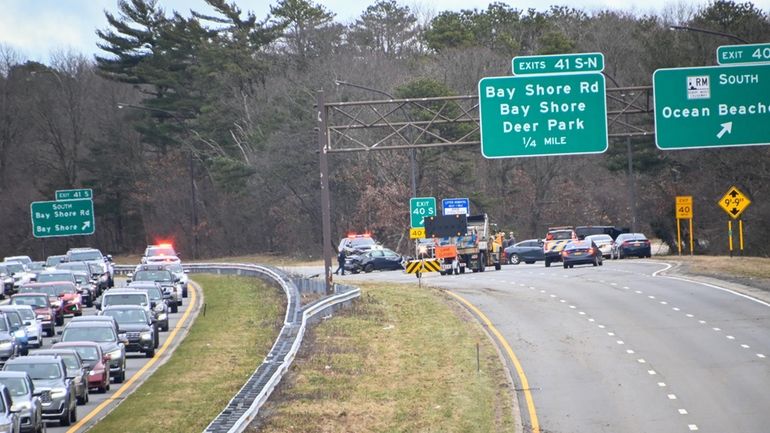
(93, 361)
(42, 306)
(63, 295)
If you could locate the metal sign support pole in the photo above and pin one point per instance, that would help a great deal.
(740, 234)
(679, 236)
(730, 236)
(692, 236)
(325, 201)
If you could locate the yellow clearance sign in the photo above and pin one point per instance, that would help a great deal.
(734, 202)
(683, 206)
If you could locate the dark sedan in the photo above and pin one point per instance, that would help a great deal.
(581, 253)
(528, 251)
(630, 244)
(374, 260)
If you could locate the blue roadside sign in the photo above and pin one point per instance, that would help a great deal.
(455, 206)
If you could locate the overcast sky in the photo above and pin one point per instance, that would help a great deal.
(36, 28)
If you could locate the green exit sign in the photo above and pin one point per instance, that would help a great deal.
(558, 63)
(74, 194)
(713, 106)
(748, 53)
(419, 208)
(62, 218)
(543, 115)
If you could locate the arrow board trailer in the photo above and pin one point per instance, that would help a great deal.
(712, 106)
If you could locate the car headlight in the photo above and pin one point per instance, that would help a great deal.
(44, 316)
(162, 316)
(115, 354)
(58, 392)
(6, 428)
(146, 335)
(159, 307)
(56, 304)
(23, 405)
(6, 344)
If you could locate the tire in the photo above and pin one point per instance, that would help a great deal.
(179, 303)
(74, 414)
(547, 263)
(596, 262)
(121, 377)
(482, 262)
(165, 328)
(529, 262)
(66, 418)
(514, 259)
(184, 292)
(498, 266)
(150, 353)
(565, 266)
(442, 273)
(462, 270)
(620, 255)
(368, 268)
(174, 308)
(60, 320)
(84, 399)
(107, 388)
(570, 266)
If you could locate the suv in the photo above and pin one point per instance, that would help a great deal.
(555, 240)
(8, 346)
(163, 276)
(158, 301)
(137, 326)
(92, 255)
(48, 373)
(105, 335)
(31, 323)
(161, 253)
(357, 244)
(75, 371)
(25, 398)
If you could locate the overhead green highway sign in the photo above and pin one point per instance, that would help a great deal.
(747, 53)
(558, 63)
(557, 114)
(62, 218)
(713, 106)
(74, 194)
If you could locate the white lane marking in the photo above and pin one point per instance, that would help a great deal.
(651, 372)
(689, 315)
(522, 285)
(761, 355)
(611, 334)
(602, 326)
(531, 288)
(620, 342)
(562, 301)
(662, 384)
(663, 303)
(630, 352)
(651, 297)
(745, 346)
(542, 291)
(582, 313)
(638, 292)
(716, 329)
(602, 281)
(553, 296)
(672, 396)
(682, 411)
(626, 288)
(675, 308)
(712, 286)
(730, 337)
(591, 319)
(692, 427)
(572, 307)
(702, 322)
(668, 266)
(641, 361)
(613, 284)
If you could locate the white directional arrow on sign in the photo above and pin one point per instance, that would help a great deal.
(726, 128)
(86, 225)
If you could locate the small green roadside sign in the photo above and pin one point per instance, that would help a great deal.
(74, 194)
(748, 53)
(62, 218)
(558, 63)
(712, 106)
(419, 208)
(543, 115)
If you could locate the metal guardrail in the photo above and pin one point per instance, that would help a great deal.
(244, 406)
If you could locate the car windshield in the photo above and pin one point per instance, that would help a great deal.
(600, 238)
(160, 251)
(53, 260)
(99, 334)
(38, 371)
(59, 276)
(35, 266)
(73, 266)
(153, 276)
(34, 301)
(153, 292)
(14, 318)
(127, 316)
(82, 256)
(125, 299)
(26, 313)
(14, 267)
(3, 324)
(360, 242)
(578, 245)
(175, 267)
(71, 362)
(561, 235)
(17, 386)
(87, 353)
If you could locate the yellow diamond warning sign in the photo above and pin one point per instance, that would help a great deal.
(734, 202)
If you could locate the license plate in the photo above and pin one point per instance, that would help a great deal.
(578, 253)
(636, 244)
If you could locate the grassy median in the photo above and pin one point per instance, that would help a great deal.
(243, 318)
(402, 359)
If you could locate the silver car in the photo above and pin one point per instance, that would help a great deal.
(25, 399)
(49, 375)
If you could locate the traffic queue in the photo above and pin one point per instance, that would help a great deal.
(91, 325)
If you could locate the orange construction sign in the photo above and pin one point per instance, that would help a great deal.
(445, 251)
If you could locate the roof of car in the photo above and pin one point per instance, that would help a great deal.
(52, 351)
(122, 307)
(63, 344)
(127, 290)
(42, 359)
(89, 324)
(11, 373)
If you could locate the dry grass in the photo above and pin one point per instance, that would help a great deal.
(724, 267)
(401, 360)
(222, 350)
(265, 259)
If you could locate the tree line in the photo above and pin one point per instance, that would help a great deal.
(199, 128)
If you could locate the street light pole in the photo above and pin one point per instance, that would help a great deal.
(710, 32)
(193, 200)
(412, 159)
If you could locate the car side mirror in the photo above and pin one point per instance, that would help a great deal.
(27, 323)
(14, 328)
(109, 258)
(152, 304)
(56, 340)
(186, 271)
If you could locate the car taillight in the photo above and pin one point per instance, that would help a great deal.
(564, 254)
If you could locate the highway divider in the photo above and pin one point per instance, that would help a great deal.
(244, 406)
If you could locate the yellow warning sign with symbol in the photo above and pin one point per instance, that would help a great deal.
(734, 202)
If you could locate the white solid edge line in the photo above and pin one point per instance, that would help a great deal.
(713, 286)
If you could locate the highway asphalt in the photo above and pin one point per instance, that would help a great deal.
(622, 348)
